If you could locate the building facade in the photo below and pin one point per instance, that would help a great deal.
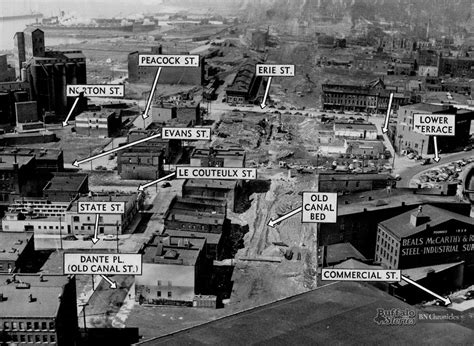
(174, 271)
(425, 236)
(38, 309)
(370, 98)
(98, 124)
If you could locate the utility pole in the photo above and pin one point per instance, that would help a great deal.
(117, 236)
(60, 233)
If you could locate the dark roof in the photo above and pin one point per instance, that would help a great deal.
(425, 107)
(336, 253)
(66, 182)
(211, 183)
(338, 314)
(381, 199)
(174, 249)
(360, 176)
(401, 227)
(40, 154)
(12, 244)
(46, 295)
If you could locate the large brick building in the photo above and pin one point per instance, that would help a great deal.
(169, 75)
(98, 124)
(246, 87)
(370, 98)
(407, 139)
(174, 271)
(425, 236)
(38, 309)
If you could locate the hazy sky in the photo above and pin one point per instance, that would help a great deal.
(81, 7)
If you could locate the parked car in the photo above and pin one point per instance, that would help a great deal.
(70, 237)
(426, 162)
(110, 237)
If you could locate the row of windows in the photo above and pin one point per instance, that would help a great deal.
(28, 325)
(36, 339)
(170, 294)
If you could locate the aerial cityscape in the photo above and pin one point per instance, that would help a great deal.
(236, 172)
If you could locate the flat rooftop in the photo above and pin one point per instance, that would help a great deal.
(7, 161)
(129, 199)
(211, 238)
(354, 126)
(40, 154)
(381, 199)
(337, 314)
(174, 250)
(218, 152)
(211, 183)
(330, 176)
(66, 182)
(45, 295)
(104, 114)
(12, 244)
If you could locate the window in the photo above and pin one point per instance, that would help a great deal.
(45, 338)
(75, 218)
(6, 325)
(52, 338)
(22, 325)
(170, 294)
(158, 293)
(37, 339)
(22, 338)
(29, 338)
(14, 325)
(37, 325)
(44, 325)
(51, 325)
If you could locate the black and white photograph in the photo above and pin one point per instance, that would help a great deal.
(236, 172)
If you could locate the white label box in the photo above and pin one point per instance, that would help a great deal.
(98, 90)
(266, 70)
(434, 124)
(319, 207)
(165, 60)
(361, 275)
(102, 264)
(223, 173)
(101, 207)
(186, 133)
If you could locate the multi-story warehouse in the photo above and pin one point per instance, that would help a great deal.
(84, 223)
(18, 178)
(456, 66)
(66, 186)
(218, 157)
(98, 124)
(370, 98)
(15, 249)
(208, 189)
(359, 214)
(407, 139)
(144, 161)
(38, 309)
(175, 270)
(425, 236)
(169, 75)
